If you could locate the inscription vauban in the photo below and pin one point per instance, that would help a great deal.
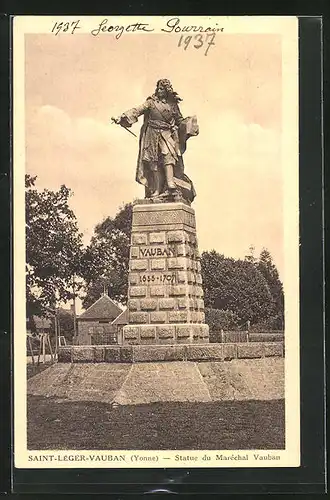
(173, 25)
(157, 252)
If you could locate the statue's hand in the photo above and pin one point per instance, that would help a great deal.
(116, 120)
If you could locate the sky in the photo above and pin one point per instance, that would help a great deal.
(74, 84)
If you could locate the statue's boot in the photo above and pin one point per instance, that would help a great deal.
(156, 184)
(170, 177)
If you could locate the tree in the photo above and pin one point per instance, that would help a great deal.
(106, 259)
(268, 269)
(65, 320)
(218, 319)
(235, 285)
(53, 247)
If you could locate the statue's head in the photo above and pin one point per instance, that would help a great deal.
(164, 89)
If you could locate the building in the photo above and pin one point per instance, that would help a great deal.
(119, 323)
(95, 324)
(39, 324)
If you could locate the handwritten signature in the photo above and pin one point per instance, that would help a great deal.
(204, 34)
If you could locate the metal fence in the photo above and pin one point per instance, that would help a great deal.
(266, 337)
(234, 337)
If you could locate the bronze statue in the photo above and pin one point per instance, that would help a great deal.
(162, 143)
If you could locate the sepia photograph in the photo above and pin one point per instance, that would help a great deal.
(156, 242)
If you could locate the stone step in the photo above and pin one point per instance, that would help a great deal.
(152, 382)
(79, 382)
(144, 383)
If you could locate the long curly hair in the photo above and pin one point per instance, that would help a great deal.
(170, 93)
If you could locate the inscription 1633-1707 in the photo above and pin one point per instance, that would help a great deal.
(157, 277)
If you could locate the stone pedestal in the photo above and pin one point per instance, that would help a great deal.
(165, 296)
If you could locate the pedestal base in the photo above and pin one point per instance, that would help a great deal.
(171, 352)
(165, 294)
(178, 333)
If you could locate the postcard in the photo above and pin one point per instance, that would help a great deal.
(156, 242)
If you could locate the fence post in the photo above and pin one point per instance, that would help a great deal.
(31, 349)
(56, 334)
(44, 347)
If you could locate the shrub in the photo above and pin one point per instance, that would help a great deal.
(219, 319)
(271, 324)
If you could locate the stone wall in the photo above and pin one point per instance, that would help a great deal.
(96, 332)
(184, 352)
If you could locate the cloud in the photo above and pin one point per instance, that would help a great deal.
(78, 133)
(87, 155)
(80, 141)
(239, 187)
(241, 144)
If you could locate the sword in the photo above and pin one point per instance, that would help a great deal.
(113, 120)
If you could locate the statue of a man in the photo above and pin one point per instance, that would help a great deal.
(163, 139)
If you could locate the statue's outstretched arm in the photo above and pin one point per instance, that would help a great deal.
(131, 116)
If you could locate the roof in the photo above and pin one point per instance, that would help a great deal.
(103, 308)
(122, 319)
(41, 322)
(66, 311)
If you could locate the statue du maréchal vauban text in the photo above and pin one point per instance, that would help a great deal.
(162, 143)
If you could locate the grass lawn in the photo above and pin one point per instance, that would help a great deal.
(61, 424)
(33, 369)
